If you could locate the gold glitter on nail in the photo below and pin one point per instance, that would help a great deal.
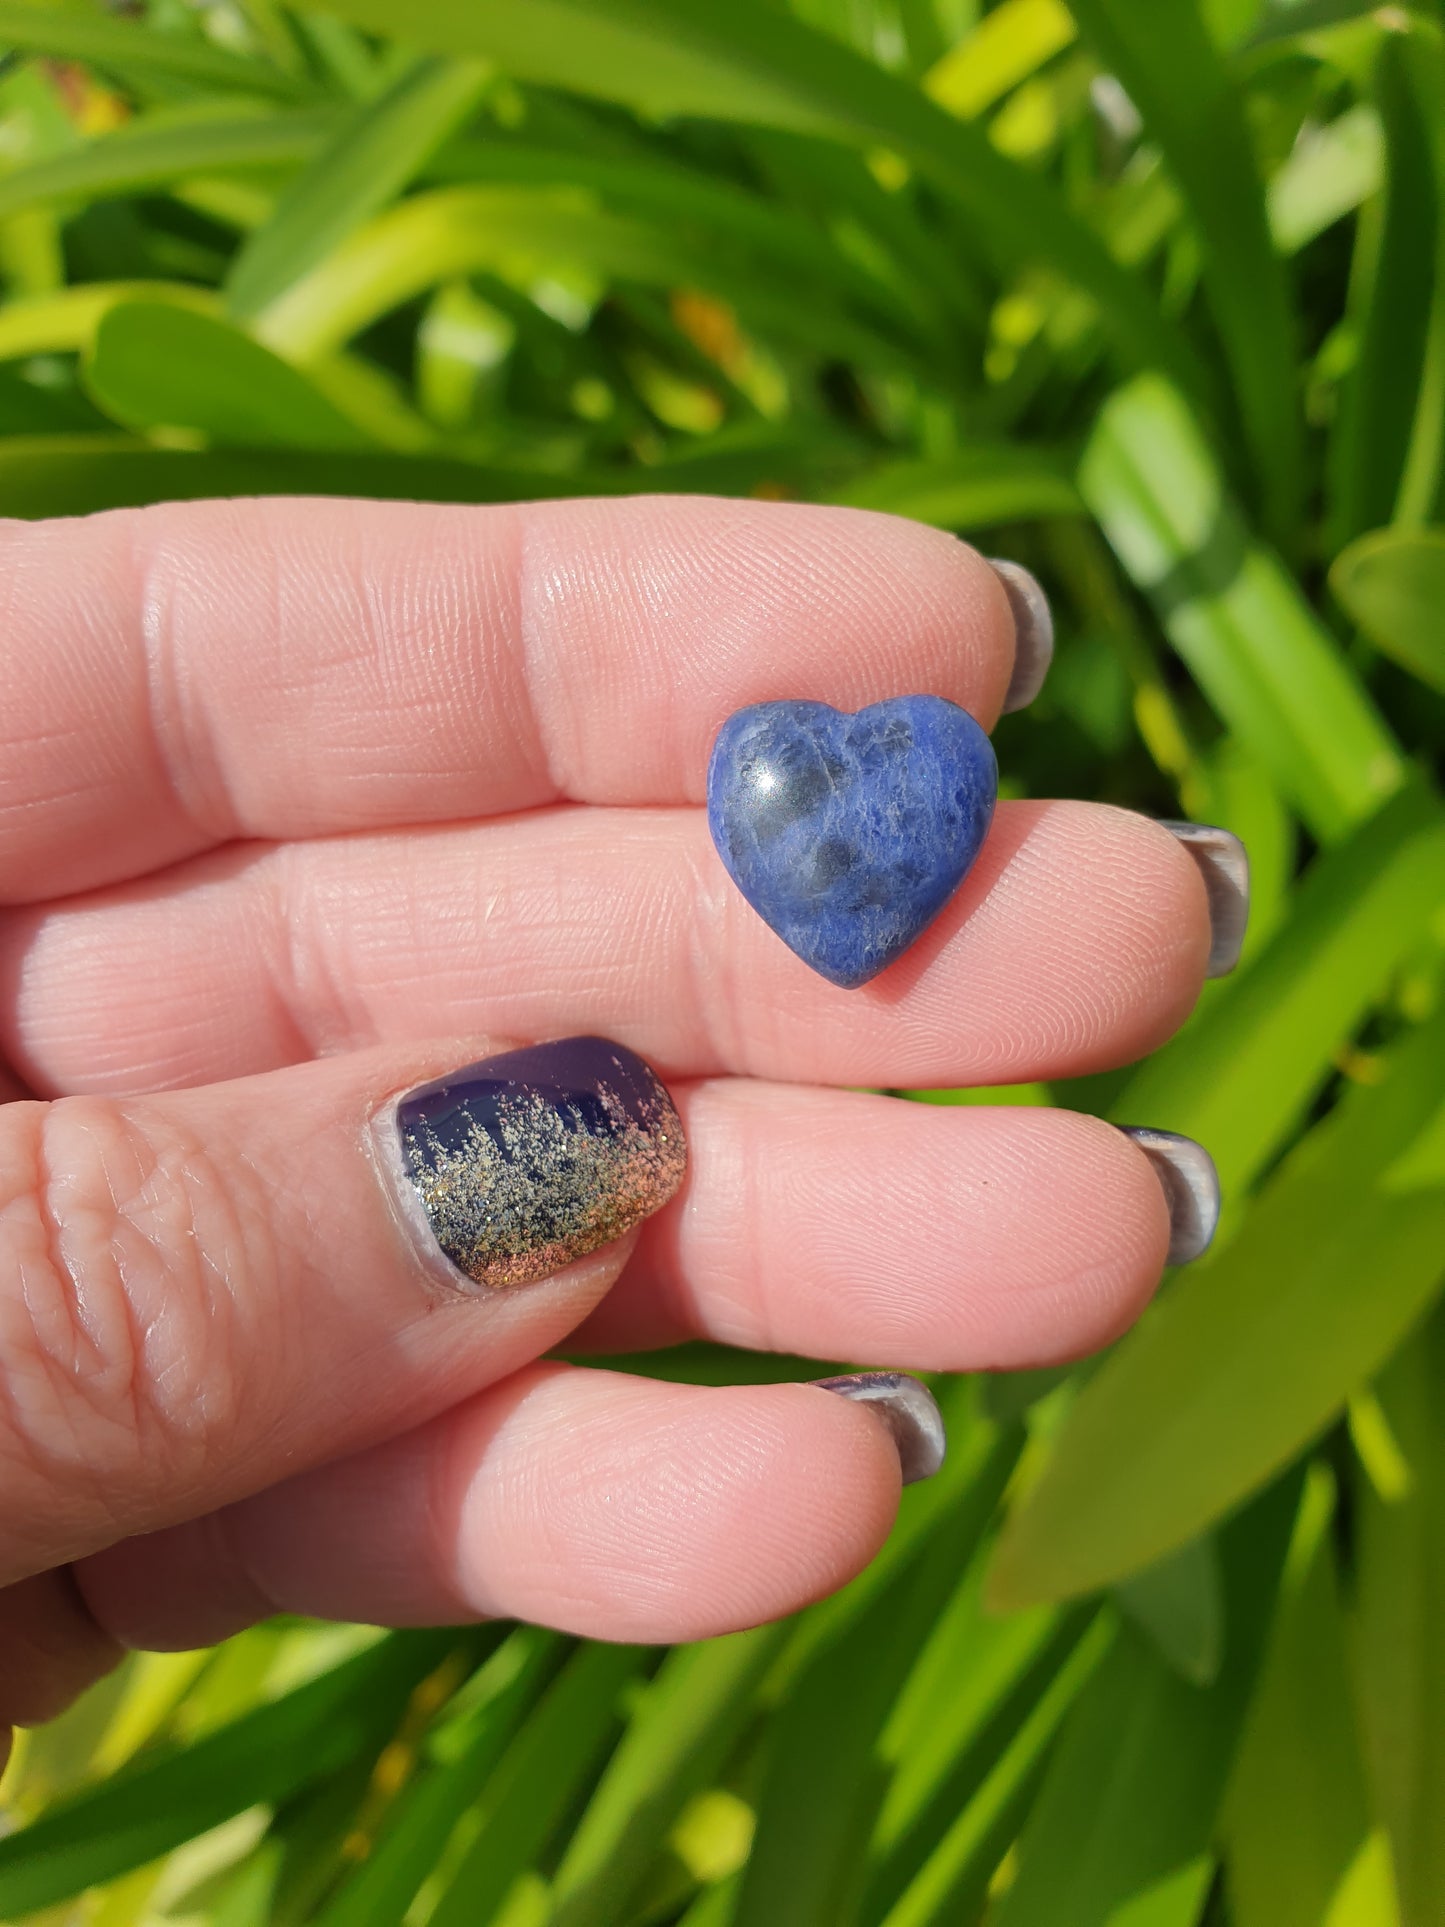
(521, 1174)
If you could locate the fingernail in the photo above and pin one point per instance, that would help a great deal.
(1191, 1188)
(520, 1164)
(907, 1408)
(1224, 864)
(1033, 633)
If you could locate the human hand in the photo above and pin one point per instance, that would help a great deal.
(304, 802)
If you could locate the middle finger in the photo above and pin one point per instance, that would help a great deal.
(1078, 941)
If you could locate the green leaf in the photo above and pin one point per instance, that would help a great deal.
(1387, 451)
(751, 63)
(61, 323)
(976, 1689)
(1251, 1354)
(130, 48)
(422, 1821)
(1400, 1611)
(679, 1737)
(1361, 911)
(1393, 584)
(1122, 1827)
(822, 1779)
(262, 1757)
(952, 1885)
(523, 233)
(159, 366)
(977, 489)
(1179, 82)
(1297, 1813)
(367, 161)
(537, 1782)
(164, 148)
(1266, 663)
(1329, 172)
(1006, 47)
(1179, 1602)
(704, 205)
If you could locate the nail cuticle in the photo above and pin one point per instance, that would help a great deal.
(1033, 632)
(1223, 864)
(905, 1406)
(508, 1170)
(1190, 1183)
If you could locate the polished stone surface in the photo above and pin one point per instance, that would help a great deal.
(848, 833)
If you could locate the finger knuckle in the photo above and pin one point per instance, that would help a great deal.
(122, 1252)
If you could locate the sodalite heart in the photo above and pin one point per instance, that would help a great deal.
(849, 833)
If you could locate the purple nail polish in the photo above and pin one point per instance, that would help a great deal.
(1033, 632)
(908, 1409)
(1191, 1188)
(527, 1161)
(1223, 863)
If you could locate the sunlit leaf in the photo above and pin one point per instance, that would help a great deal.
(1400, 1609)
(264, 1756)
(365, 162)
(1252, 1354)
(157, 366)
(1264, 660)
(1193, 110)
(128, 48)
(1124, 1822)
(750, 63)
(1393, 584)
(1297, 1812)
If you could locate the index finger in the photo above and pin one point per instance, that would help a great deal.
(180, 676)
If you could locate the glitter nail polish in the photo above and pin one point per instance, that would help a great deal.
(522, 1163)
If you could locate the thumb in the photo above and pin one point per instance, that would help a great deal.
(208, 1290)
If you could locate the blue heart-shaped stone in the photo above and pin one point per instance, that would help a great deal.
(848, 833)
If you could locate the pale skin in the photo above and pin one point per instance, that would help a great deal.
(303, 802)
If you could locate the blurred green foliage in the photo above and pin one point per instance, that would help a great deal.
(1152, 297)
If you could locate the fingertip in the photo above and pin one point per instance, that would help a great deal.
(634, 1510)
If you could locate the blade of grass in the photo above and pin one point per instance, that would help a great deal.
(1256, 649)
(1246, 1359)
(1175, 76)
(367, 161)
